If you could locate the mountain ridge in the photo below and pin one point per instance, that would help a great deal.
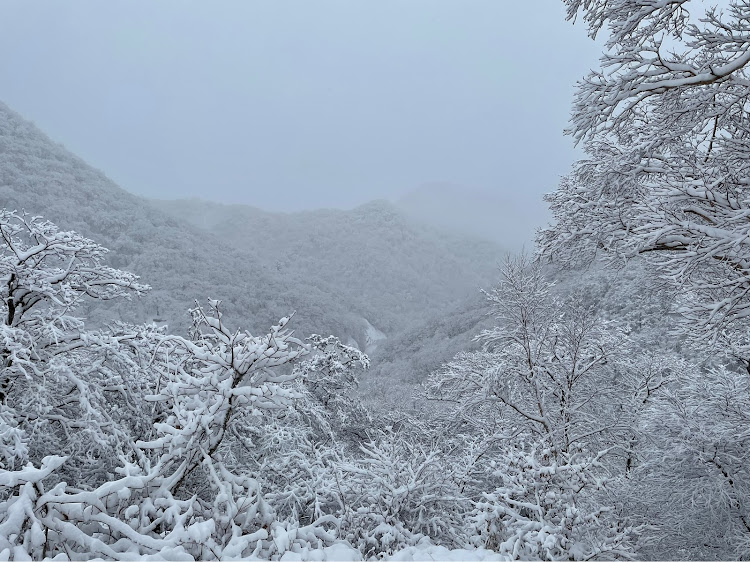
(43, 178)
(381, 260)
(340, 281)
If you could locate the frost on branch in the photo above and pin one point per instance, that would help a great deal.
(535, 414)
(142, 417)
(545, 368)
(539, 513)
(666, 172)
(62, 388)
(664, 183)
(43, 267)
(218, 378)
(177, 492)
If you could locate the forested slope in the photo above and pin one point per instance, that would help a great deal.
(342, 270)
(395, 271)
(180, 262)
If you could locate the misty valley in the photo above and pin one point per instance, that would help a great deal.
(184, 379)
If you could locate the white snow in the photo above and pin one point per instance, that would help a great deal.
(423, 551)
(372, 337)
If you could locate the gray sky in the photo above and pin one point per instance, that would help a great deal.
(291, 105)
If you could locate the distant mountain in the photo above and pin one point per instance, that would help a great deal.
(394, 271)
(182, 263)
(364, 274)
(472, 212)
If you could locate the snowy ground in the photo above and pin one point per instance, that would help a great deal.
(412, 553)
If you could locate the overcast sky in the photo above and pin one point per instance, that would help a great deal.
(291, 105)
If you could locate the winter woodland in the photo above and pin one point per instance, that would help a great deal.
(594, 405)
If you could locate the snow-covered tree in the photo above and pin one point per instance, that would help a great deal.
(63, 388)
(665, 178)
(295, 451)
(133, 430)
(546, 399)
(396, 492)
(689, 480)
(544, 369)
(540, 510)
(328, 382)
(664, 124)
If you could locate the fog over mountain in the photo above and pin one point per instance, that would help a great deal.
(397, 271)
(292, 107)
(353, 364)
(457, 332)
(364, 274)
(478, 213)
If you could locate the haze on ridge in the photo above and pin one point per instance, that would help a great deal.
(289, 107)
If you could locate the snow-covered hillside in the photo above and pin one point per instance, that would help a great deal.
(592, 402)
(394, 271)
(179, 261)
(347, 273)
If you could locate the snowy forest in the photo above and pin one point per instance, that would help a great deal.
(183, 380)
